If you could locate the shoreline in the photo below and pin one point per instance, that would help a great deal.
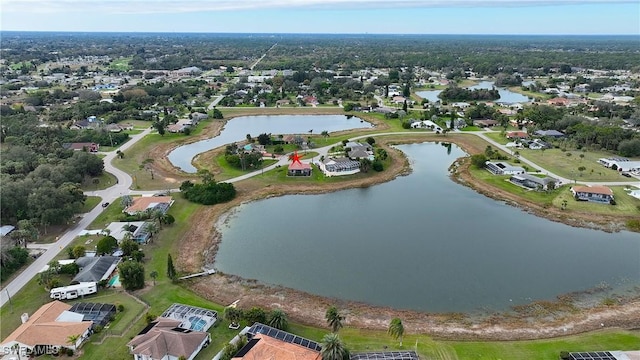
(198, 248)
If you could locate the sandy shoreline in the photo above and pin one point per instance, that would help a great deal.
(199, 246)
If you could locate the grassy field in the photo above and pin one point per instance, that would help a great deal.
(105, 180)
(90, 203)
(109, 214)
(558, 162)
(567, 163)
(121, 64)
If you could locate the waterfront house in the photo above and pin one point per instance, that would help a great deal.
(533, 182)
(164, 339)
(51, 326)
(596, 193)
(502, 168)
(339, 166)
(149, 203)
(298, 168)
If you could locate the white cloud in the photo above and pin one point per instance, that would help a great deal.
(181, 6)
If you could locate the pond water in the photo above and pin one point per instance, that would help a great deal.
(431, 95)
(506, 96)
(421, 242)
(237, 129)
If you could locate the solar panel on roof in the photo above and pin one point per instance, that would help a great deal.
(595, 355)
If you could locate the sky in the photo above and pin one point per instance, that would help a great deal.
(557, 17)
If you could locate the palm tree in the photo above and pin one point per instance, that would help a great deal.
(334, 319)
(278, 320)
(72, 339)
(396, 329)
(152, 228)
(325, 134)
(333, 348)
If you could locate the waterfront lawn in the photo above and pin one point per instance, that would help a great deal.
(625, 204)
(502, 182)
(358, 340)
(548, 349)
(557, 162)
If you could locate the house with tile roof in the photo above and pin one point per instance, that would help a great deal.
(164, 339)
(149, 203)
(50, 327)
(596, 193)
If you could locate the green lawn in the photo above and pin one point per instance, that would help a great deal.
(101, 182)
(557, 161)
(108, 215)
(90, 203)
(502, 182)
(625, 204)
(470, 128)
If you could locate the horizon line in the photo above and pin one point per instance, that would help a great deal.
(309, 33)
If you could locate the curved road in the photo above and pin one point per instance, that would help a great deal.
(124, 183)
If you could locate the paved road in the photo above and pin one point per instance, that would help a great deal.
(122, 186)
(124, 183)
(215, 102)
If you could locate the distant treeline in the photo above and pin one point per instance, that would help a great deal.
(485, 55)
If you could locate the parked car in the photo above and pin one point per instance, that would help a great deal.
(626, 174)
(104, 205)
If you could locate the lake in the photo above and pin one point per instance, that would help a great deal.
(421, 242)
(236, 130)
(506, 96)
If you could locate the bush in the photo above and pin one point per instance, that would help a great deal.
(633, 225)
(70, 352)
(255, 314)
(149, 318)
(120, 308)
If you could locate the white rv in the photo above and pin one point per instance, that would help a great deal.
(74, 291)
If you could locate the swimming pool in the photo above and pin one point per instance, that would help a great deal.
(114, 281)
(197, 323)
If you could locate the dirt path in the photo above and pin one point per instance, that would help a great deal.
(550, 319)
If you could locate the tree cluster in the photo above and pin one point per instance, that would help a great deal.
(454, 93)
(208, 192)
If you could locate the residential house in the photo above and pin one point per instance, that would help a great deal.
(50, 327)
(358, 150)
(266, 342)
(188, 71)
(486, 123)
(596, 193)
(620, 164)
(164, 339)
(339, 166)
(298, 168)
(550, 133)
(517, 135)
(136, 230)
(149, 203)
(559, 101)
(83, 146)
(502, 168)
(95, 269)
(533, 182)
